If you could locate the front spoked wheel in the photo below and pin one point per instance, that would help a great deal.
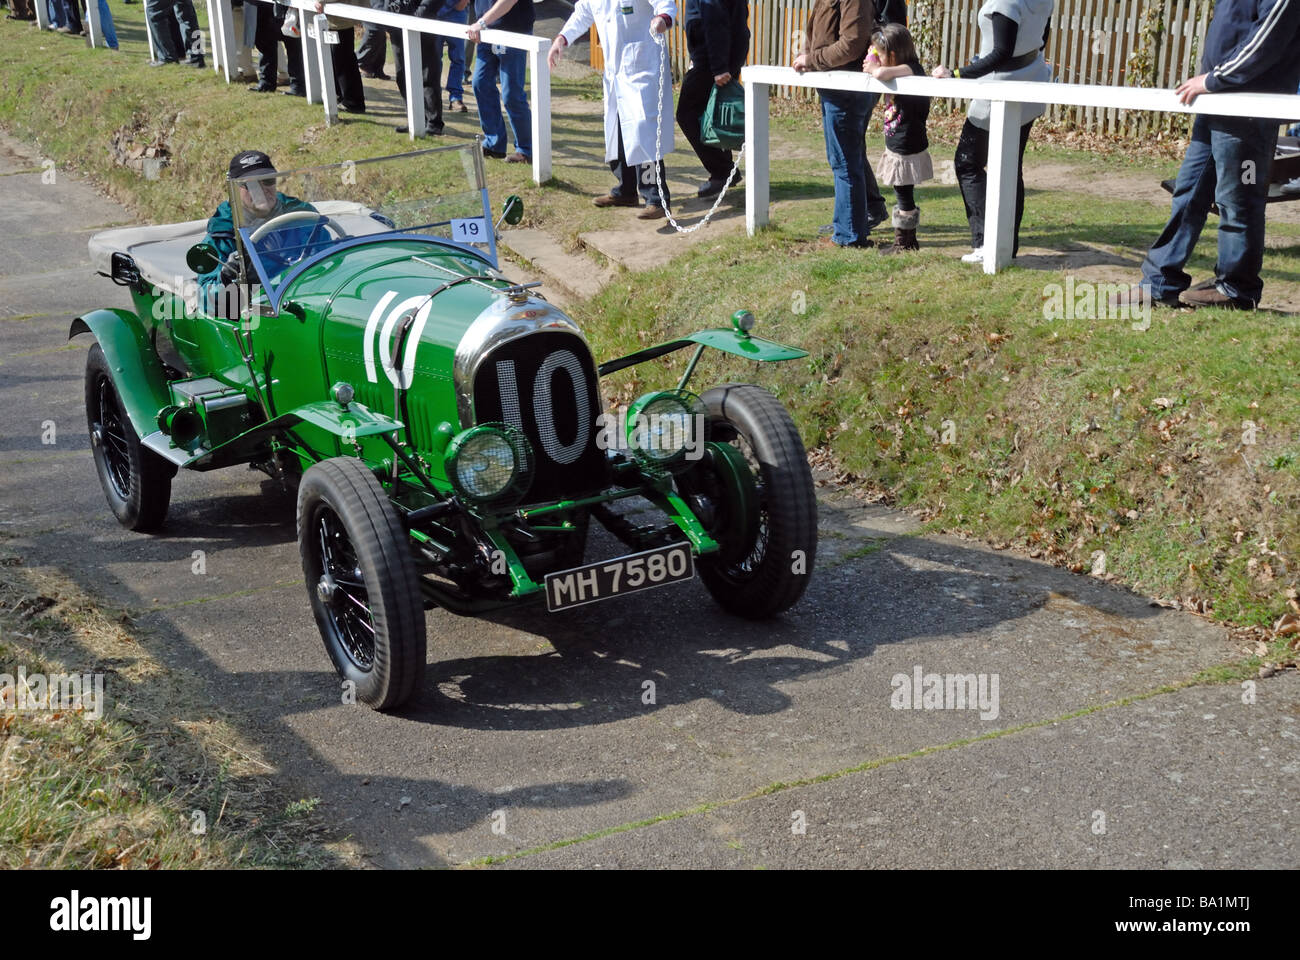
(768, 546)
(361, 581)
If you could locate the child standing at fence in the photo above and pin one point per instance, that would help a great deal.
(907, 148)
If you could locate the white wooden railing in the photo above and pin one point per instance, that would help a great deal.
(1004, 127)
(318, 66)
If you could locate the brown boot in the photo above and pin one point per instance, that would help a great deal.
(905, 223)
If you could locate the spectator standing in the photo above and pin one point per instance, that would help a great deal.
(374, 47)
(638, 96)
(430, 62)
(72, 24)
(1012, 36)
(348, 88)
(492, 62)
(717, 40)
(839, 32)
(22, 10)
(1250, 47)
(907, 147)
(455, 11)
(106, 25)
(176, 34)
(269, 35)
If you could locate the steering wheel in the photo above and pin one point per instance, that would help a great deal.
(293, 216)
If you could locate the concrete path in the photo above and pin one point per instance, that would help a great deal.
(774, 744)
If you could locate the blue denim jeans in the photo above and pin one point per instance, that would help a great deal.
(57, 16)
(455, 84)
(509, 65)
(1227, 162)
(106, 25)
(844, 123)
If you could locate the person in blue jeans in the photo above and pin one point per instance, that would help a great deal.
(106, 25)
(1249, 47)
(839, 32)
(491, 62)
(455, 11)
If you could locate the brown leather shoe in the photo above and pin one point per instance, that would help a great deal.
(517, 157)
(609, 200)
(1212, 296)
(652, 211)
(1138, 296)
(827, 243)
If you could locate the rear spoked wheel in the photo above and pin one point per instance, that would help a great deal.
(137, 482)
(361, 582)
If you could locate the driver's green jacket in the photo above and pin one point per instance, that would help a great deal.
(221, 234)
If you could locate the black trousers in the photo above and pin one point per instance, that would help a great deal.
(639, 177)
(971, 165)
(697, 85)
(72, 15)
(374, 45)
(175, 29)
(267, 41)
(347, 73)
(431, 63)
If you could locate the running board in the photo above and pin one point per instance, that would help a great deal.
(161, 444)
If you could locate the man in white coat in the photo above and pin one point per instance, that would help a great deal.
(637, 97)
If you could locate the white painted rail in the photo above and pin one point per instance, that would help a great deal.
(1006, 98)
(319, 71)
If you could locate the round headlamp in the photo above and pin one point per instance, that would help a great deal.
(489, 462)
(663, 428)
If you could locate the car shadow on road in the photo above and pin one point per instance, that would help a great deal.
(889, 591)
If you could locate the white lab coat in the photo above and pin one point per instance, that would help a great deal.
(633, 93)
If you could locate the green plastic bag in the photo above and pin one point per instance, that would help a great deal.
(723, 123)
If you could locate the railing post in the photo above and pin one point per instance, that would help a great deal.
(94, 29)
(413, 67)
(310, 61)
(1000, 198)
(148, 33)
(541, 71)
(329, 96)
(757, 184)
(214, 32)
(224, 37)
(43, 17)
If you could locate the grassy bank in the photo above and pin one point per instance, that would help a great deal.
(1167, 457)
(159, 779)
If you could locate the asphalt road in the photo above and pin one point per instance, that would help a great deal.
(766, 745)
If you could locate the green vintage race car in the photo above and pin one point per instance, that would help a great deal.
(444, 427)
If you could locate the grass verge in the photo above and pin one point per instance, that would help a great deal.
(158, 780)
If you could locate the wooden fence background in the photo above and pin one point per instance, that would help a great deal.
(1149, 43)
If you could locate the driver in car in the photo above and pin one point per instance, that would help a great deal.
(261, 203)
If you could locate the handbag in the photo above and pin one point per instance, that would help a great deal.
(723, 122)
(290, 25)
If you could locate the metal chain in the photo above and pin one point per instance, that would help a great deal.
(662, 41)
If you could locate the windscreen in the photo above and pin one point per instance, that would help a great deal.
(292, 216)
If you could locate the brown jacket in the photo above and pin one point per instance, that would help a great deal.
(839, 32)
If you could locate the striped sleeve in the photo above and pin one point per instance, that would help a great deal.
(1271, 42)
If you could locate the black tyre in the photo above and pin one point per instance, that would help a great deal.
(137, 482)
(361, 581)
(770, 570)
